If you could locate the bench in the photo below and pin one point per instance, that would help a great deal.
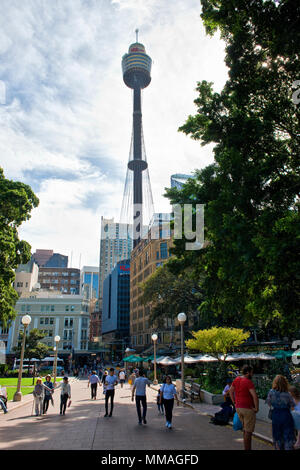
(192, 390)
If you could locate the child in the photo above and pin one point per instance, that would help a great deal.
(296, 412)
(160, 406)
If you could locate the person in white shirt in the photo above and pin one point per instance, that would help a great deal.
(122, 377)
(94, 381)
(110, 382)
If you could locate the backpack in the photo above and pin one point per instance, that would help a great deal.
(220, 418)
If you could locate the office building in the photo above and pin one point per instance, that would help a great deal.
(116, 307)
(65, 280)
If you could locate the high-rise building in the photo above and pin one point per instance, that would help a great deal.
(178, 180)
(146, 257)
(115, 245)
(115, 308)
(89, 282)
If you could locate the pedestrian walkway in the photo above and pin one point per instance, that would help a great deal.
(84, 426)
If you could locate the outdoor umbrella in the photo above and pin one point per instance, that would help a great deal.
(50, 359)
(265, 357)
(158, 359)
(187, 359)
(133, 359)
(281, 354)
(206, 358)
(168, 361)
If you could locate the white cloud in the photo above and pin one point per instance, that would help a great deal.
(66, 126)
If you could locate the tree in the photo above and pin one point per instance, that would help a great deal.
(34, 348)
(249, 271)
(16, 202)
(169, 294)
(217, 341)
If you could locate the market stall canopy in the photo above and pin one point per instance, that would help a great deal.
(168, 361)
(187, 359)
(133, 359)
(206, 358)
(50, 359)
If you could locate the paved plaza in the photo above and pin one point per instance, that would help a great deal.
(84, 427)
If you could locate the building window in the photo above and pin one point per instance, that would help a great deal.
(67, 308)
(164, 250)
(41, 321)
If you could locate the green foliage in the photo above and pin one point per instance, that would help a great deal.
(16, 202)
(169, 294)
(249, 269)
(217, 341)
(33, 346)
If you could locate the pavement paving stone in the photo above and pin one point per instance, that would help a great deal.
(84, 427)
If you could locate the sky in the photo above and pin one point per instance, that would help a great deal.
(66, 114)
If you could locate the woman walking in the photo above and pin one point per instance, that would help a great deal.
(294, 391)
(38, 394)
(281, 402)
(167, 395)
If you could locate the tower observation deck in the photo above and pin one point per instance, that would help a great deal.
(137, 198)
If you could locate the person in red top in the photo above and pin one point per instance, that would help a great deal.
(243, 395)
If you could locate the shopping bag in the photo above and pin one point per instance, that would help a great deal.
(69, 404)
(237, 425)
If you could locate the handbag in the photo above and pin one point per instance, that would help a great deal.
(270, 413)
(237, 425)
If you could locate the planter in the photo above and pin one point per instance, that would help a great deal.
(263, 411)
(206, 397)
(211, 398)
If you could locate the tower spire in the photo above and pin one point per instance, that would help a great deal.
(137, 35)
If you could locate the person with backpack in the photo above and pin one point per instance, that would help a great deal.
(167, 395)
(243, 396)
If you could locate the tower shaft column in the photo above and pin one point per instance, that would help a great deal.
(137, 155)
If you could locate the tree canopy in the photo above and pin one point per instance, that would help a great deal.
(16, 202)
(34, 348)
(249, 270)
(217, 341)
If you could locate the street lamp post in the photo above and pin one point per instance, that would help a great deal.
(18, 395)
(57, 340)
(154, 339)
(182, 318)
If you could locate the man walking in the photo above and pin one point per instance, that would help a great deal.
(110, 383)
(139, 387)
(94, 380)
(243, 395)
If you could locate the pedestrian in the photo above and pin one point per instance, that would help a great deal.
(167, 395)
(38, 393)
(64, 395)
(48, 393)
(226, 394)
(122, 377)
(281, 402)
(3, 406)
(131, 379)
(160, 406)
(139, 387)
(110, 382)
(94, 381)
(243, 396)
(294, 391)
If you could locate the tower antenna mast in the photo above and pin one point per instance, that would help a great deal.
(137, 35)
